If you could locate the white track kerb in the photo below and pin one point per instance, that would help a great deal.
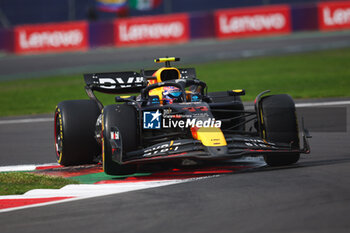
(79, 191)
(83, 191)
(20, 168)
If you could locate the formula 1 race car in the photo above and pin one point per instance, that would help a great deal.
(172, 118)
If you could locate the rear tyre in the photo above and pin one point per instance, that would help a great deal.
(123, 117)
(75, 122)
(279, 124)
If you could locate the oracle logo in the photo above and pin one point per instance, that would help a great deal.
(338, 16)
(154, 31)
(256, 23)
(54, 39)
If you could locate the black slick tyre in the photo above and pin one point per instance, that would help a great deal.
(74, 131)
(122, 117)
(279, 124)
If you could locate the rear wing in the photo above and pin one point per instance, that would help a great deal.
(126, 82)
(116, 83)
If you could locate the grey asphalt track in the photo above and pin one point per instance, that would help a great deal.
(27, 143)
(311, 196)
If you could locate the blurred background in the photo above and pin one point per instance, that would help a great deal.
(15, 12)
(27, 26)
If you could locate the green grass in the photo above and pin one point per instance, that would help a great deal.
(306, 75)
(12, 183)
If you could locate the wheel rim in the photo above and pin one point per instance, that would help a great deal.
(58, 136)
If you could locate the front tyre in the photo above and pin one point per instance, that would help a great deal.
(74, 130)
(123, 118)
(279, 124)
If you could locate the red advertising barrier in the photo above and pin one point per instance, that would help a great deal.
(152, 30)
(253, 21)
(51, 37)
(334, 15)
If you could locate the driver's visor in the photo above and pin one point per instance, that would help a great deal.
(175, 94)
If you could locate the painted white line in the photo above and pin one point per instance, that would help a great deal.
(29, 167)
(37, 205)
(331, 103)
(17, 168)
(29, 120)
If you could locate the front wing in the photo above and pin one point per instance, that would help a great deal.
(237, 147)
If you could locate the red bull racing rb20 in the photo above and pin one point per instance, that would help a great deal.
(172, 118)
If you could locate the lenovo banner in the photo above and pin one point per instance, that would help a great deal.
(334, 15)
(152, 30)
(51, 37)
(253, 21)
